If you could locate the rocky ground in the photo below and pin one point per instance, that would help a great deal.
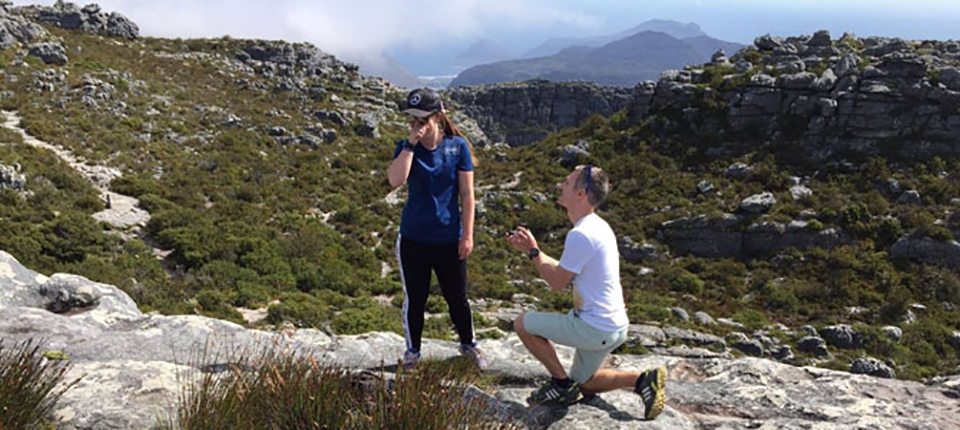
(132, 366)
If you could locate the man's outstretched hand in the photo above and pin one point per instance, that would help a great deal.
(522, 239)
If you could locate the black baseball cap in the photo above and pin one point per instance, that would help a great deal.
(421, 103)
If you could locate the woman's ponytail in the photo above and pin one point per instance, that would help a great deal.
(451, 130)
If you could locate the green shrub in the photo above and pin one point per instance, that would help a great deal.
(368, 319)
(301, 309)
(647, 312)
(436, 304)
(751, 319)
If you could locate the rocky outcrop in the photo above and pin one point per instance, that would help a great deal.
(733, 236)
(89, 19)
(871, 366)
(861, 95)
(12, 177)
(525, 112)
(15, 28)
(50, 53)
(927, 250)
(132, 367)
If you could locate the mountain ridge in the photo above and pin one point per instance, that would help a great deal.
(623, 62)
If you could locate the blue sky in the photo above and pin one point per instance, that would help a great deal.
(429, 29)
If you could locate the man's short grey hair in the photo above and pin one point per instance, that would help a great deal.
(599, 184)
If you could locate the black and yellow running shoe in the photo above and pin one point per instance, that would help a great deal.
(652, 388)
(553, 392)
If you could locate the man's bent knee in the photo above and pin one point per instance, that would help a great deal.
(518, 325)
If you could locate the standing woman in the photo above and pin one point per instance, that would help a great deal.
(436, 229)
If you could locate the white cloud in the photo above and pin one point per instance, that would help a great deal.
(344, 26)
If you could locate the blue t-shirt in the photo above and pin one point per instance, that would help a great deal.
(432, 212)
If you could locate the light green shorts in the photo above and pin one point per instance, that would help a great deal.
(568, 329)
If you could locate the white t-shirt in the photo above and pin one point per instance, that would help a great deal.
(590, 252)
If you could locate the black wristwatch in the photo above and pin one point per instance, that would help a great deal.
(533, 253)
(408, 146)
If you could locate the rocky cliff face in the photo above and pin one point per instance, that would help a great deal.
(133, 366)
(831, 96)
(89, 19)
(525, 112)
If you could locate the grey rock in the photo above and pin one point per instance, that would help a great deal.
(826, 82)
(894, 333)
(742, 66)
(891, 46)
(758, 203)
(848, 65)
(751, 347)
(119, 26)
(737, 337)
(718, 56)
(813, 345)
(89, 19)
(782, 353)
(799, 81)
(135, 366)
(705, 187)
(891, 187)
(768, 42)
(820, 38)
(730, 323)
(14, 29)
(703, 318)
(763, 80)
(691, 337)
(680, 313)
(505, 112)
(369, 126)
(791, 65)
(704, 236)
(645, 335)
(637, 252)
(328, 136)
(738, 170)
(910, 197)
(50, 53)
(954, 339)
(926, 250)
(332, 116)
(871, 366)
(11, 177)
(799, 191)
(571, 155)
(842, 336)
(950, 76)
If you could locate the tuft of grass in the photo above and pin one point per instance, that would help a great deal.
(30, 385)
(283, 389)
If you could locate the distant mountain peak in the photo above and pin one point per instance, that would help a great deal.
(482, 51)
(675, 29)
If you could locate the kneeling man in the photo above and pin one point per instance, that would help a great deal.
(598, 323)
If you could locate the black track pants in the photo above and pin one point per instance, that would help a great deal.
(417, 259)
